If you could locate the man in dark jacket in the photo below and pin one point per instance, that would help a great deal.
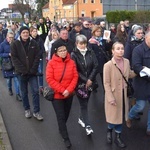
(86, 30)
(63, 40)
(25, 57)
(141, 83)
(75, 31)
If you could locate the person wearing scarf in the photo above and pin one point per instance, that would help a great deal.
(87, 67)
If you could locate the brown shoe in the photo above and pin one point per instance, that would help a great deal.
(129, 123)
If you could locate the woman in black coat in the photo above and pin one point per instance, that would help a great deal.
(87, 67)
(133, 41)
(97, 44)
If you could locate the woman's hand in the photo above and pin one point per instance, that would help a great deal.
(113, 103)
(88, 83)
(65, 93)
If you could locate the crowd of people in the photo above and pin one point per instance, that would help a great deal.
(75, 53)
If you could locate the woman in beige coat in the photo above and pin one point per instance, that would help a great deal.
(116, 101)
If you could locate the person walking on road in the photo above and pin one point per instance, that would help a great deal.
(64, 40)
(25, 55)
(62, 76)
(141, 83)
(40, 42)
(9, 74)
(116, 100)
(87, 66)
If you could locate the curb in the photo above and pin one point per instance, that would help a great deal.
(4, 139)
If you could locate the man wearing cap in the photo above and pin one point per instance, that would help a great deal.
(75, 31)
(25, 57)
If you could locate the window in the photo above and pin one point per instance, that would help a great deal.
(101, 1)
(92, 1)
(82, 13)
(84, 1)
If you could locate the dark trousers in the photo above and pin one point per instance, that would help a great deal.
(84, 110)
(62, 110)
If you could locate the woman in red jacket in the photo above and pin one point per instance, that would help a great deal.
(62, 76)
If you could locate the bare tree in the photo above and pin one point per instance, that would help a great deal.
(22, 6)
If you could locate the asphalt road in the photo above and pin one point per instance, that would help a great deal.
(30, 134)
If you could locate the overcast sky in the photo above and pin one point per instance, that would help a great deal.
(4, 3)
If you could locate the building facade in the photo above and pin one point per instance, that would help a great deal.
(72, 10)
(111, 5)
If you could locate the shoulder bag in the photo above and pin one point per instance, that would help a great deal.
(130, 89)
(48, 92)
(7, 64)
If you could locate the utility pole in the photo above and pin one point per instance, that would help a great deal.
(136, 5)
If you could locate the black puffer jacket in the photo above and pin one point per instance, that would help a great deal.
(87, 66)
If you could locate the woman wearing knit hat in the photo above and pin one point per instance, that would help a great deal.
(62, 76)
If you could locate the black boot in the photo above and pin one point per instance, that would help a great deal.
(109, 136)
(10, 92)
(18, 97)
(119, 141)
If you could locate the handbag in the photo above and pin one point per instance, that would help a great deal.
(81, 91)
(7, 64)
(94, 86)
(48, 92)
(130, 90)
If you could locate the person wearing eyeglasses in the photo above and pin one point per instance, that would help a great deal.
(86, 30)
(9, 74)
(62, 76)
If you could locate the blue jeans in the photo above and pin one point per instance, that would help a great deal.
(138, 107)
(40, 70)
(117, 127)
(33, 82)
(16, 84)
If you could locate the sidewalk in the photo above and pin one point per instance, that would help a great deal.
(4, 139)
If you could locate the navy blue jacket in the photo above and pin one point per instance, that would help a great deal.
(129, 46)
(3, 35)
(4, 54)
(100, 53)
(140, 58)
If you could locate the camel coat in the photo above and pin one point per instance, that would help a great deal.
(113, 83)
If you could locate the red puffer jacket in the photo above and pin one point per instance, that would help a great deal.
(54, 72)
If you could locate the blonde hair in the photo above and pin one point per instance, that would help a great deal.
(113, 46)
(95, 28)
(54, 33)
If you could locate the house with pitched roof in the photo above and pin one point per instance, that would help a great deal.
(72, 10)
